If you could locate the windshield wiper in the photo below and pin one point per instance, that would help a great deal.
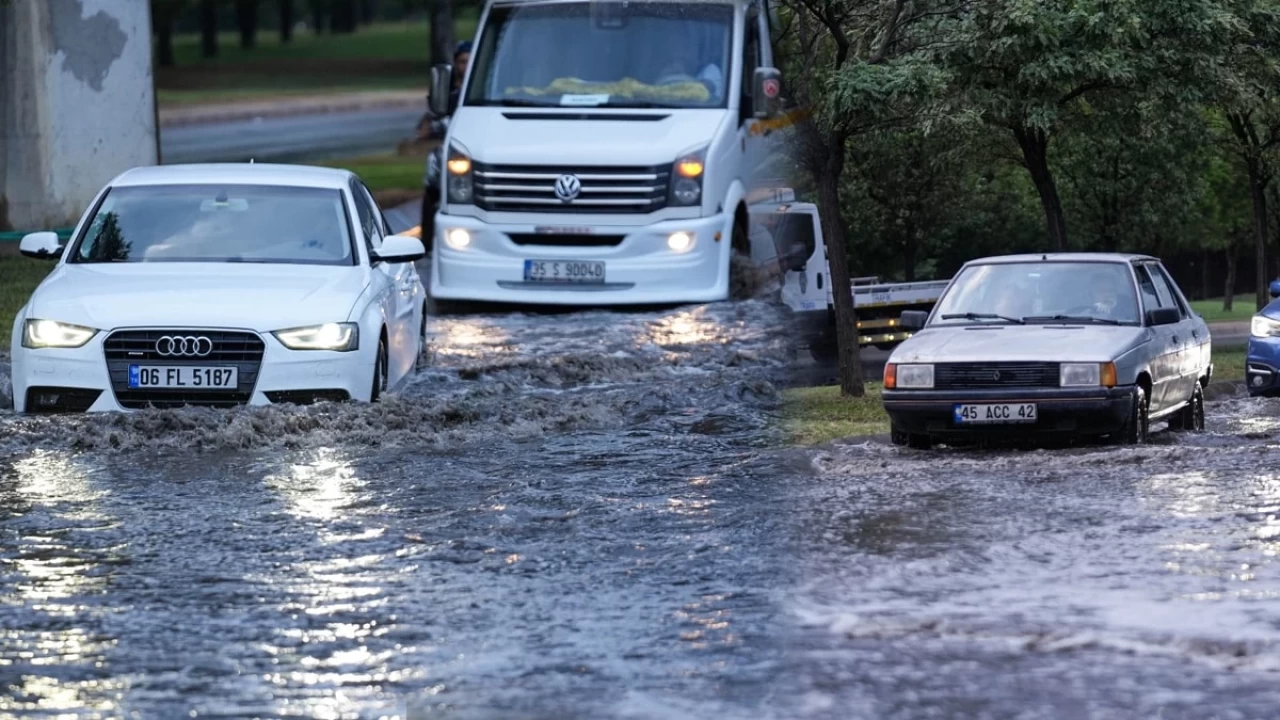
(516, 102)
(1071, 318)
(633, 104)
(981, 316)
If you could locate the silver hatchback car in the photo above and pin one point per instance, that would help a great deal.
(1070, 344)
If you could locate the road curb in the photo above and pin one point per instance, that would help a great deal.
(284, 107)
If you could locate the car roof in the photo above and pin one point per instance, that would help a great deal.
(1062, 257)
(234, 173)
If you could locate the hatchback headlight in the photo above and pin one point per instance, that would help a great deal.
(53, 334)
(340, 337)
(1262, 327)
(914, 377)
(1087, 375)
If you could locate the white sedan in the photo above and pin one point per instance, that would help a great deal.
(221, 285)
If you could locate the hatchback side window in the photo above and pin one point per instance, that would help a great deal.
(1162, 288)
(1163, 280)
(1150, 299)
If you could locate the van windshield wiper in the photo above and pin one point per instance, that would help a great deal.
(982, 316)
(1071, 318)
(516, 102)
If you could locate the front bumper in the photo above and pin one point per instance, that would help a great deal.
(81, 379)
(639, 270)
(1262, 366)
(1059, 411)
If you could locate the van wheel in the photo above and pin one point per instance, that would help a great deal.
(1191, 417)
(742, 284)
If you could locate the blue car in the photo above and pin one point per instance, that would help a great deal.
(1262, 363)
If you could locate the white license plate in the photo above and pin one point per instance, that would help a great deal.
(995, 414)
(184, 377)
(563, 271)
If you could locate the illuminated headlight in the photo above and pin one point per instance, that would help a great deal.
(680, 241)
(686, 178)
(457, 238)
(1080, 375)
(1261, 327)
(53, 334)
(340, 337)
(459, 182)
(915, 377)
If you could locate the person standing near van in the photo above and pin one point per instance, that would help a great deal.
(431, 126)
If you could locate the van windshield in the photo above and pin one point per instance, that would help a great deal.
(614, 54)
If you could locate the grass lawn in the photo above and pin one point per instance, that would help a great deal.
(1211, 310)
(382, 56)
(819, 414)
(18, 277)
(385, 172)
(1228, 365)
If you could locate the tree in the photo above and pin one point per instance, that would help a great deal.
(208, 28)
(286, 20)
(343, 16)
(247, 22)
(163, 14)
(857, 65)
(441, 31)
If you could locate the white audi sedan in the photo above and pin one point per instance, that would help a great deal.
(220, 285)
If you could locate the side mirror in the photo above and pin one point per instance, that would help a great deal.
(1163, 316)
(766, 92)
(400, 249)
(1275, 288)
(441, 82)
(913, 319)
(41, 245)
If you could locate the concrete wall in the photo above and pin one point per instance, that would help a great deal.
(77, 104)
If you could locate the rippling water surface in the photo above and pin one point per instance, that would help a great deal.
(592, 515)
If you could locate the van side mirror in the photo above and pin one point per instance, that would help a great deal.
(41, 245)
(766, 92)
(1275, 289)
(441, 83)
(1163, 316)
(913, 319)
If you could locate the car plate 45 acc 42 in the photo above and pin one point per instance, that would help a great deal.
(993, 414)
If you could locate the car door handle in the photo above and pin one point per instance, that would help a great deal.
(1173, 340)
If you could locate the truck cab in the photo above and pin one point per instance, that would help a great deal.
(787, 243)
(600, 151)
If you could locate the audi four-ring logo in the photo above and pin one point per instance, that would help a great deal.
(184, 346)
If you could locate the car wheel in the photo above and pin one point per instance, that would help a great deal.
(421, 360)
(897, 437)
(1138, 427)
(379, 372)
(919, 442)
(742, 283)
(825, 351)
(1191, 417)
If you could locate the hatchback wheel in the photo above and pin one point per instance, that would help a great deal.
(1191, 417)
(1137, 429)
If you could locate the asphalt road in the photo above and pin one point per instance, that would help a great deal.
(294, 138)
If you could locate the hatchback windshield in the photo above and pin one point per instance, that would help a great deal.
(641, 54)
(1041, 292)
(219, 223)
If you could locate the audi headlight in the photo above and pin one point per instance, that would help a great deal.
(459, 183)
(341, 337)
(915, 377)
(686, 178)
(1261, 327)
(54, 334)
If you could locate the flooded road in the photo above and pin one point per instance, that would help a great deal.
(592, 516)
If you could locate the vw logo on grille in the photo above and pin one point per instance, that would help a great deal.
(568, 187)
(184, 346)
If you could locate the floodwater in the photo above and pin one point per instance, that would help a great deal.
(593, 515)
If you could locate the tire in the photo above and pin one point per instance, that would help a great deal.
(919, 442)
(1137, 429)
(742, 284)
(1191, 417)
(420, 360)
(379, 372)
(825, 352)
(887, 346)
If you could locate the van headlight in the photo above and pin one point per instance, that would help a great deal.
(339, 337)
(1262, 327)
(460, 182)
(37, 334)
(686, 178)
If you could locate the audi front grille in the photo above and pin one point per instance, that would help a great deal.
(597, 190)
(183, 347)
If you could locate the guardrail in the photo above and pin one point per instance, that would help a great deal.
(13, 237)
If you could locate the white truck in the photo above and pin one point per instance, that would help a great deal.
(601, 150)
(787, 240)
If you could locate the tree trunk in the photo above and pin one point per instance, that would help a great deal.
(343, 19)
(1258, 189)
(208, 28)
(1205, 291)
(247, 21)
(368, 11)
(1229, 291)
(164, 34)
(441, 31)
(851, 382)
(286, 20)
(1035, 156)
(317, 16)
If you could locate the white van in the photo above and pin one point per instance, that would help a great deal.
(601, 150)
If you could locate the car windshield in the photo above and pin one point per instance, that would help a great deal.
(219, 223)
(645, 54)
(1040, 292)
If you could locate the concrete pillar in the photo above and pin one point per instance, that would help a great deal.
(77, 105)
